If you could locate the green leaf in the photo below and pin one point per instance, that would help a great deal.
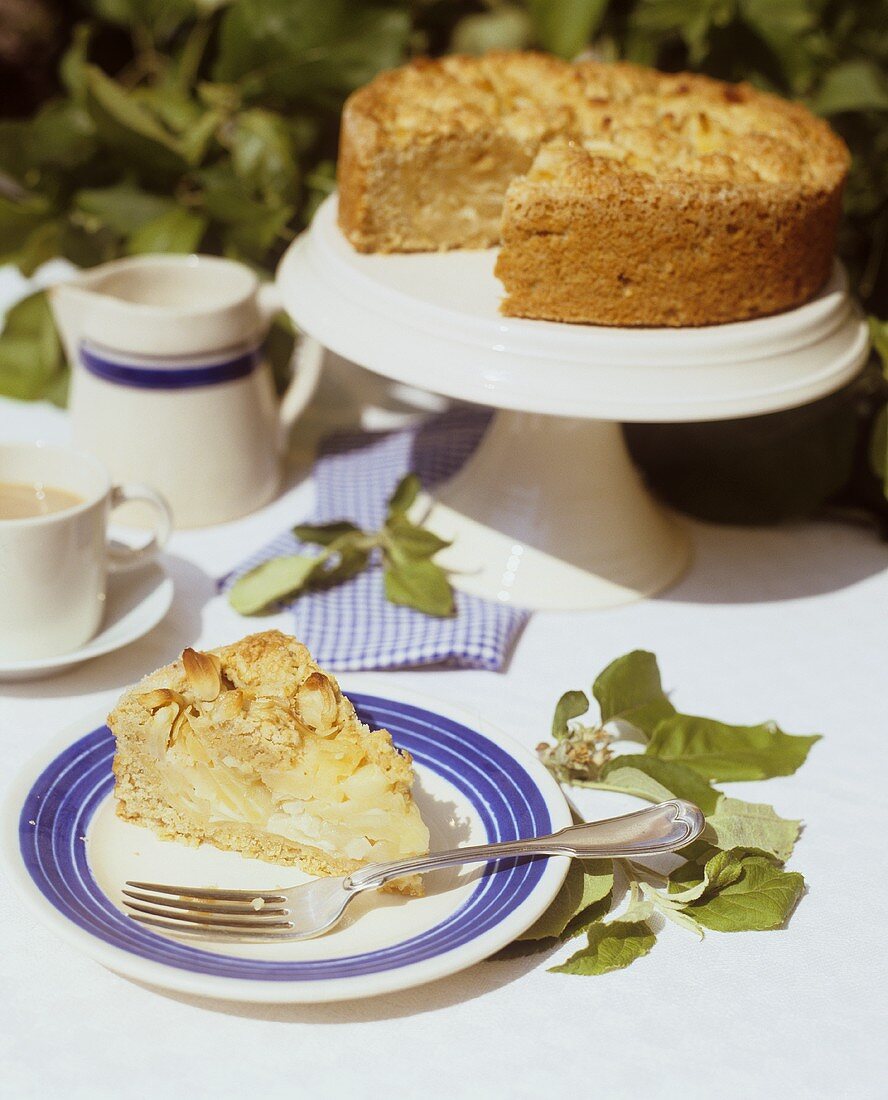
(792, 30)
(611, 946)
(20, 373)
(588, 915)
(738, 824)
(197, 139)
(162, 17)
(61, 136)
(251, 238)
(639, 907)
(323, 534)
(693, 19)
(72, 67)
(588, 884)
(42, 244)
(761, 899)
(320, 183)
(271, 581)
(15, 154)
(566, 904)
(565, 28)
(504, 28)
(346, 557)
(572, 704)
(719, 751)
(129, 127)
(299, 49)
(28, 317)
(407, 540)
(124, 207)
(630, 780)
(404, 496)
(630, 690)
(681, 780)
(683, 919)
(278, 348)
(263, 153)
(852, 86)
(31, 361)
(32, 317)
(421, 585)
(18, 219)
(720, 870)
(879, 335)
(251, 227)
(189, 58)
(178, 230)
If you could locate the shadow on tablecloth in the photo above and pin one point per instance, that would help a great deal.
(793, 561)
(477, 981)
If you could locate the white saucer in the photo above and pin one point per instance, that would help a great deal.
(135, 603)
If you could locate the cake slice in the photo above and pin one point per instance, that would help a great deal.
(252, 748)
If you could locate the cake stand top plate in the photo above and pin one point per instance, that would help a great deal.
(432, 320)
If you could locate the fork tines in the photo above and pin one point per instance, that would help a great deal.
(212, 913)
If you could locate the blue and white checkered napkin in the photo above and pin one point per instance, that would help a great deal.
(352, 625)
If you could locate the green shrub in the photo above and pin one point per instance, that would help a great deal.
(212, 125)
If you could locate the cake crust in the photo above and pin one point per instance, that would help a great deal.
(620, 195)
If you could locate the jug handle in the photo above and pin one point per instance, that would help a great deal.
(308, 357)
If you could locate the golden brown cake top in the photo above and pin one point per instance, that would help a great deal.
(262, 696)
(641, 120)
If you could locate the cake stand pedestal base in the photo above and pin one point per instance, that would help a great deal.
(550, 513)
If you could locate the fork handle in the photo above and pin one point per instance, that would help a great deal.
(652, 831)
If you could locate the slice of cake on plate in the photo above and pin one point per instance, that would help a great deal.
(252, 748)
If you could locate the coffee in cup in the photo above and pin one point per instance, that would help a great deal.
(55, 505)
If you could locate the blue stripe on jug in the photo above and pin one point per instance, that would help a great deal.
(168, 378)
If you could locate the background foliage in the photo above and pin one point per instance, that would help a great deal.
(175, 125)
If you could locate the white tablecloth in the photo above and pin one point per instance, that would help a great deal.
(787, 624)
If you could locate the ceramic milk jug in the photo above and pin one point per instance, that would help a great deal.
(169, 385)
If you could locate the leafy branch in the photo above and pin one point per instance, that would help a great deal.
(212, 124)
(731, 879)
(404, 548)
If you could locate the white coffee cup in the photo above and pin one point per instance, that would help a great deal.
(53, 567)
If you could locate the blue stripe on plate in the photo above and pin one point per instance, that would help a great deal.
(169, 378)
(67, 794)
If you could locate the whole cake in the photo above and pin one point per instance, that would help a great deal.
(252, 748)
(620, 195)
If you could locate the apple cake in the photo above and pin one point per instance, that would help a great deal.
(252, 748)
(619, 195)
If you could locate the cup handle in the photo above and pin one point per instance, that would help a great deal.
(121, 557)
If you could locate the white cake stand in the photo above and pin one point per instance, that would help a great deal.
(549, 512)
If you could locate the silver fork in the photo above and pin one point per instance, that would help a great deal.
(258, 916)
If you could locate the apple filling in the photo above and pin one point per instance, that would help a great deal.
(328, 794)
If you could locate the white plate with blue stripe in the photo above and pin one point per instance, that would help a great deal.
(69, 854)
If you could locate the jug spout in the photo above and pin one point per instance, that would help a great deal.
(166, 305)
(70, 303)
